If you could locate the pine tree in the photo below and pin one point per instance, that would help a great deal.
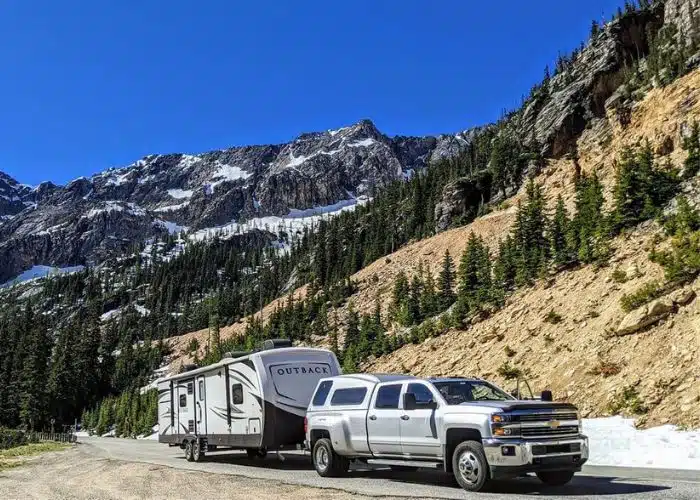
(588, 228)
(352, 330)
(429, 304)
(558, 230)
(692, 145)
(446, 279)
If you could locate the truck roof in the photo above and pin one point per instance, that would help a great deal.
(453, 379)
(377, 378)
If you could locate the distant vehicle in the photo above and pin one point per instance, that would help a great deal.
(254, 401)
(465, 426)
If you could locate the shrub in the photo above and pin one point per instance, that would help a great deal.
(606, 369)
(553, 318)
(9, 438)
(643, 295)
(619, 276)
(628, 401)
(509, 372)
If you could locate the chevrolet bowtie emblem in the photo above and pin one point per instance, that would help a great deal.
(554, 424)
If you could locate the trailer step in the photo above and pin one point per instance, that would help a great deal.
(405, 463)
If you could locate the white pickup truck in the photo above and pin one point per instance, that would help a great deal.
(466, 426)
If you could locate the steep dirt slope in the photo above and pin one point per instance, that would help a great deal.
(662, 364)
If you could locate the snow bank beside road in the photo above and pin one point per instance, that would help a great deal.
(615, 441)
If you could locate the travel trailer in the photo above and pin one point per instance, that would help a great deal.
(254, 401)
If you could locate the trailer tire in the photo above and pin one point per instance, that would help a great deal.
(197, 451)
(470, 467)
(188, 451)
(326, 461)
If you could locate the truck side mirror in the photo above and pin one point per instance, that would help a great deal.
(546, 395)
(409, 401)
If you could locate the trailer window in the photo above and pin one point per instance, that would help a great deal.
(322, 392)
(183, 401)
(388, 397)
(351, 396)
(237, 394)
(201, 390)
(190, 387)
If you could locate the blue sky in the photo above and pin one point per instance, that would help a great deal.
(90, 85)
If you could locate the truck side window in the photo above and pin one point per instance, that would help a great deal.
(388, 397)
(322, 392)
(351, 396)
(237, 394)
(422, 393)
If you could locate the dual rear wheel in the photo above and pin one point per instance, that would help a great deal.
(326, 461)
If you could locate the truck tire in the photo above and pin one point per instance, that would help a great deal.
(197, 450)
(469, 466)
(326, 461)
(188, 451)
(555, 477)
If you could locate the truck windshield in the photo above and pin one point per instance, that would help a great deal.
(457, 392)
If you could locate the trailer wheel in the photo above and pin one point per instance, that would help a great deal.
(469, 466)
(188, 451)
(197, 451)
(327, 462)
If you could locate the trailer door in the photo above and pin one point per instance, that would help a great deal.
(201, 405)
(185, 407)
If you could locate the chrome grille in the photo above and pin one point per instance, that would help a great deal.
(545, 417)
(545, 431)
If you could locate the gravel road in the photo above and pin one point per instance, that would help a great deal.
(102, 468)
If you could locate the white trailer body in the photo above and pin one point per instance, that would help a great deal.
(257, 401)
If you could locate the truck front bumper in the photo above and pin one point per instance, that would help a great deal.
(514, 457)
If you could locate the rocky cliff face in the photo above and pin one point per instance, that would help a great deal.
(90, 219)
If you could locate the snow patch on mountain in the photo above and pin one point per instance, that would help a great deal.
(180, 194)
(364, 143)
(172, 227)
(41, 271)
(296, 220)
(171, 208)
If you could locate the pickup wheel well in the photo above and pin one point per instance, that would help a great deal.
(317, 434)
(454, 438)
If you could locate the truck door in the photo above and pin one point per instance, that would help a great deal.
(383, 418)
(418, 427)
(201, 406)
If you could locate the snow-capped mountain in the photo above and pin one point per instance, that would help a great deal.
(91, 219)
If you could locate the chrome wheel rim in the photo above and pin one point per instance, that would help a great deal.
(322, 458)
(469, 467)
(195, 450)
(188, 450)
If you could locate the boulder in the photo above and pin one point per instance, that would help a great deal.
(683, 296)
(645, 316)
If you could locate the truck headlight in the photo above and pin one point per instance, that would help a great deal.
(502, 426)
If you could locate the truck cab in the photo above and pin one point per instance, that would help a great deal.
(466, 426)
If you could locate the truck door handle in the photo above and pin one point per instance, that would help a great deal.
(373, 417)
(405, 417)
